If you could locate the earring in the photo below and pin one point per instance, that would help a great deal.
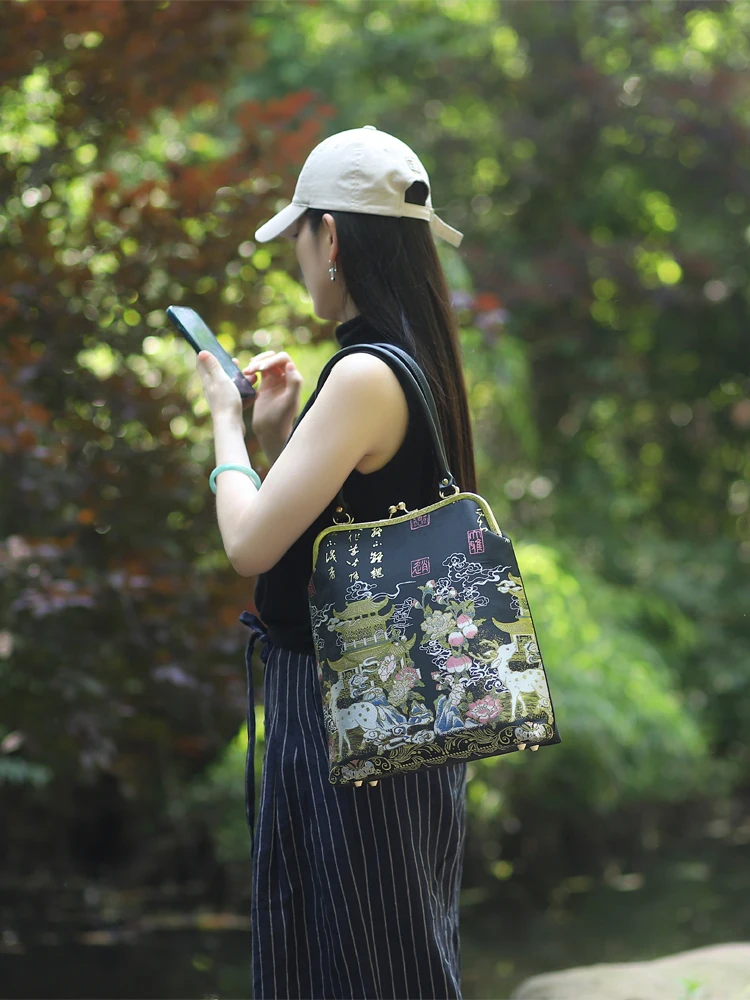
(332, 270)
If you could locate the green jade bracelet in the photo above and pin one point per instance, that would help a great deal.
(247, 469)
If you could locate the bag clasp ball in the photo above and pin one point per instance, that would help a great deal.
(425, 646)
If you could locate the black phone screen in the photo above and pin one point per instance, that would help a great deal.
(195, 330)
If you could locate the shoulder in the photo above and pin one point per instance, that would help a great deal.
(366, 377)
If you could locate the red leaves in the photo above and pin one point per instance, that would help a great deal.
(17, 415)
(486, 301)
(8, 307)
(248, 115)
(194, 187)
(103, 192)
(273, 112)
(147, 56)
(97, 462)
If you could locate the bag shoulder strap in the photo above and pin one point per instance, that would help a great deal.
(420, 378)
(415, 379)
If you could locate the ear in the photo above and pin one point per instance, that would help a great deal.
(331, 237)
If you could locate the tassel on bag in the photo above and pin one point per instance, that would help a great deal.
(426, 649)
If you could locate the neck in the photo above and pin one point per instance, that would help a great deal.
(355, 331)
(359, 330)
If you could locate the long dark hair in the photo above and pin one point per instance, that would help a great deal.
(394, 277)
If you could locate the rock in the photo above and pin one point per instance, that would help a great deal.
(718, 972)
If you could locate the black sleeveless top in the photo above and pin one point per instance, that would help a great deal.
(411, 476)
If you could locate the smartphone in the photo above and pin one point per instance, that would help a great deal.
(198, 335)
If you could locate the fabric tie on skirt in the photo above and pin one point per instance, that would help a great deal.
(258, 631)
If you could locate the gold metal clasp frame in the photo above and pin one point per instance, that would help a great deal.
(398, 508)
(348, 517)
(444, 486)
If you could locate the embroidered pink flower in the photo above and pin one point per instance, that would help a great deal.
(485, 710)
(454, 663)
(467, 626)
(456, 638)
(409, 675)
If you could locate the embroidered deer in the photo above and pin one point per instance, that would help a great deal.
(361, 714)
(525, 682)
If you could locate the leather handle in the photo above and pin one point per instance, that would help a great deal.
(415, 378)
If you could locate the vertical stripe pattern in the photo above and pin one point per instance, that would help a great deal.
(355, 890)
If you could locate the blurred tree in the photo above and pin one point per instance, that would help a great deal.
(127, 184)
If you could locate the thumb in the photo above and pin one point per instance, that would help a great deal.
(207, 358)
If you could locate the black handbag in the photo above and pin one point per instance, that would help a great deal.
(425, 646)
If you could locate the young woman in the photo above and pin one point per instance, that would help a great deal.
(355, 889)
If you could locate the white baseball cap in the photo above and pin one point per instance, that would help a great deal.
(359, 170)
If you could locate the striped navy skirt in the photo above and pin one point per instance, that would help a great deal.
(355, 890)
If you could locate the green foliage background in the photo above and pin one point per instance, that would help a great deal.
(596, 157)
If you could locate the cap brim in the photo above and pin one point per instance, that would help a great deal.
(281, 221)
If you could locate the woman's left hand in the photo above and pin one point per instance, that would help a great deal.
(222, 394)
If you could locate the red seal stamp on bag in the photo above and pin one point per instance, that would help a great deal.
(419, 522)
(420, 566)
(476, 541)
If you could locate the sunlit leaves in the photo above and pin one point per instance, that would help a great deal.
(474, 12)
(488, 174)
(509, 52)
(603, 309)
(280, 293)
(104, 263)
(523, 149)
(705, 28)
(76, 195)
(101, 360)
(660, 210)
(595, 666)
(604, 289)
(378, 21)
(261, 259)
(86, 154)
(656, 267)
(27, 118)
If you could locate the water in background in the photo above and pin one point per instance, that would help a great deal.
(175, 951)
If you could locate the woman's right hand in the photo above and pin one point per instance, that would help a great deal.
(278, 388)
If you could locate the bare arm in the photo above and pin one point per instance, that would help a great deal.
(272, 445)
(347, 421)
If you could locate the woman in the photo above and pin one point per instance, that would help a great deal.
(355, 889)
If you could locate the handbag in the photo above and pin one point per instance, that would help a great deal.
(425, 646)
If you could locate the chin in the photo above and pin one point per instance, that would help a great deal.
(323, 313)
